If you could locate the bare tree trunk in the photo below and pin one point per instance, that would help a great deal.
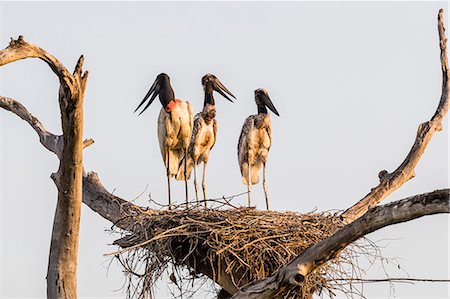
(62, 264)
(63, 256)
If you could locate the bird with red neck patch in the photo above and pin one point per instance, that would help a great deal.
(175, 123)
(172, 105)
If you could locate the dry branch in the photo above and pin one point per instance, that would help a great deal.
(50, 141)
(20, 49)
(389, 182)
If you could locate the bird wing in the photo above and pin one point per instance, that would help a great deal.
(195, 137)
(214, 132)
(179, 125)
(269, 133)
(243, 140)
(162, 133)
(186, 135)
(191, 115)
(173, 122)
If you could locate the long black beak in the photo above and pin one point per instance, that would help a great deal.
(268, 103)
(220, 88)
(153, 91)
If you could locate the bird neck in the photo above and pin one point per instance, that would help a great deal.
(166, 93)
(262, 109)
(208, 113)
(209, 96)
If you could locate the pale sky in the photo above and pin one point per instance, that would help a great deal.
(352, 81)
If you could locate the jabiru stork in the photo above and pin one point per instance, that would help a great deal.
(204, 133)
(254, 143)
(175, 123)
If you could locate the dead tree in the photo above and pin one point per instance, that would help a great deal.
(186, 235)
(62, 266)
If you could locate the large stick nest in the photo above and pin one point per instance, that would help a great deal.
(246, 243)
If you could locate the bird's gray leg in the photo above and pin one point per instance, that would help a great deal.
(195, 182)
(249, 159)
(249, 184)
(204, 183)
(168, 177)
(265, 186)
(185, 176)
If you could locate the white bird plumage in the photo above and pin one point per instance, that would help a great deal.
(174, 126)
(254, 143)
(174, 133)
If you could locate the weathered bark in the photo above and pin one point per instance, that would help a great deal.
(62, 266)
(63, 256)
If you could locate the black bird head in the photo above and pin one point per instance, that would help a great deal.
(211, 83)
(160, 87)
(262, 101)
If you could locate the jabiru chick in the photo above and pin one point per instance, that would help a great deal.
(254, 143)
(204, 133)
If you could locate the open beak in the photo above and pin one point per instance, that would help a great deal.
(268, 103)
(153, 92)
(220, 88)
